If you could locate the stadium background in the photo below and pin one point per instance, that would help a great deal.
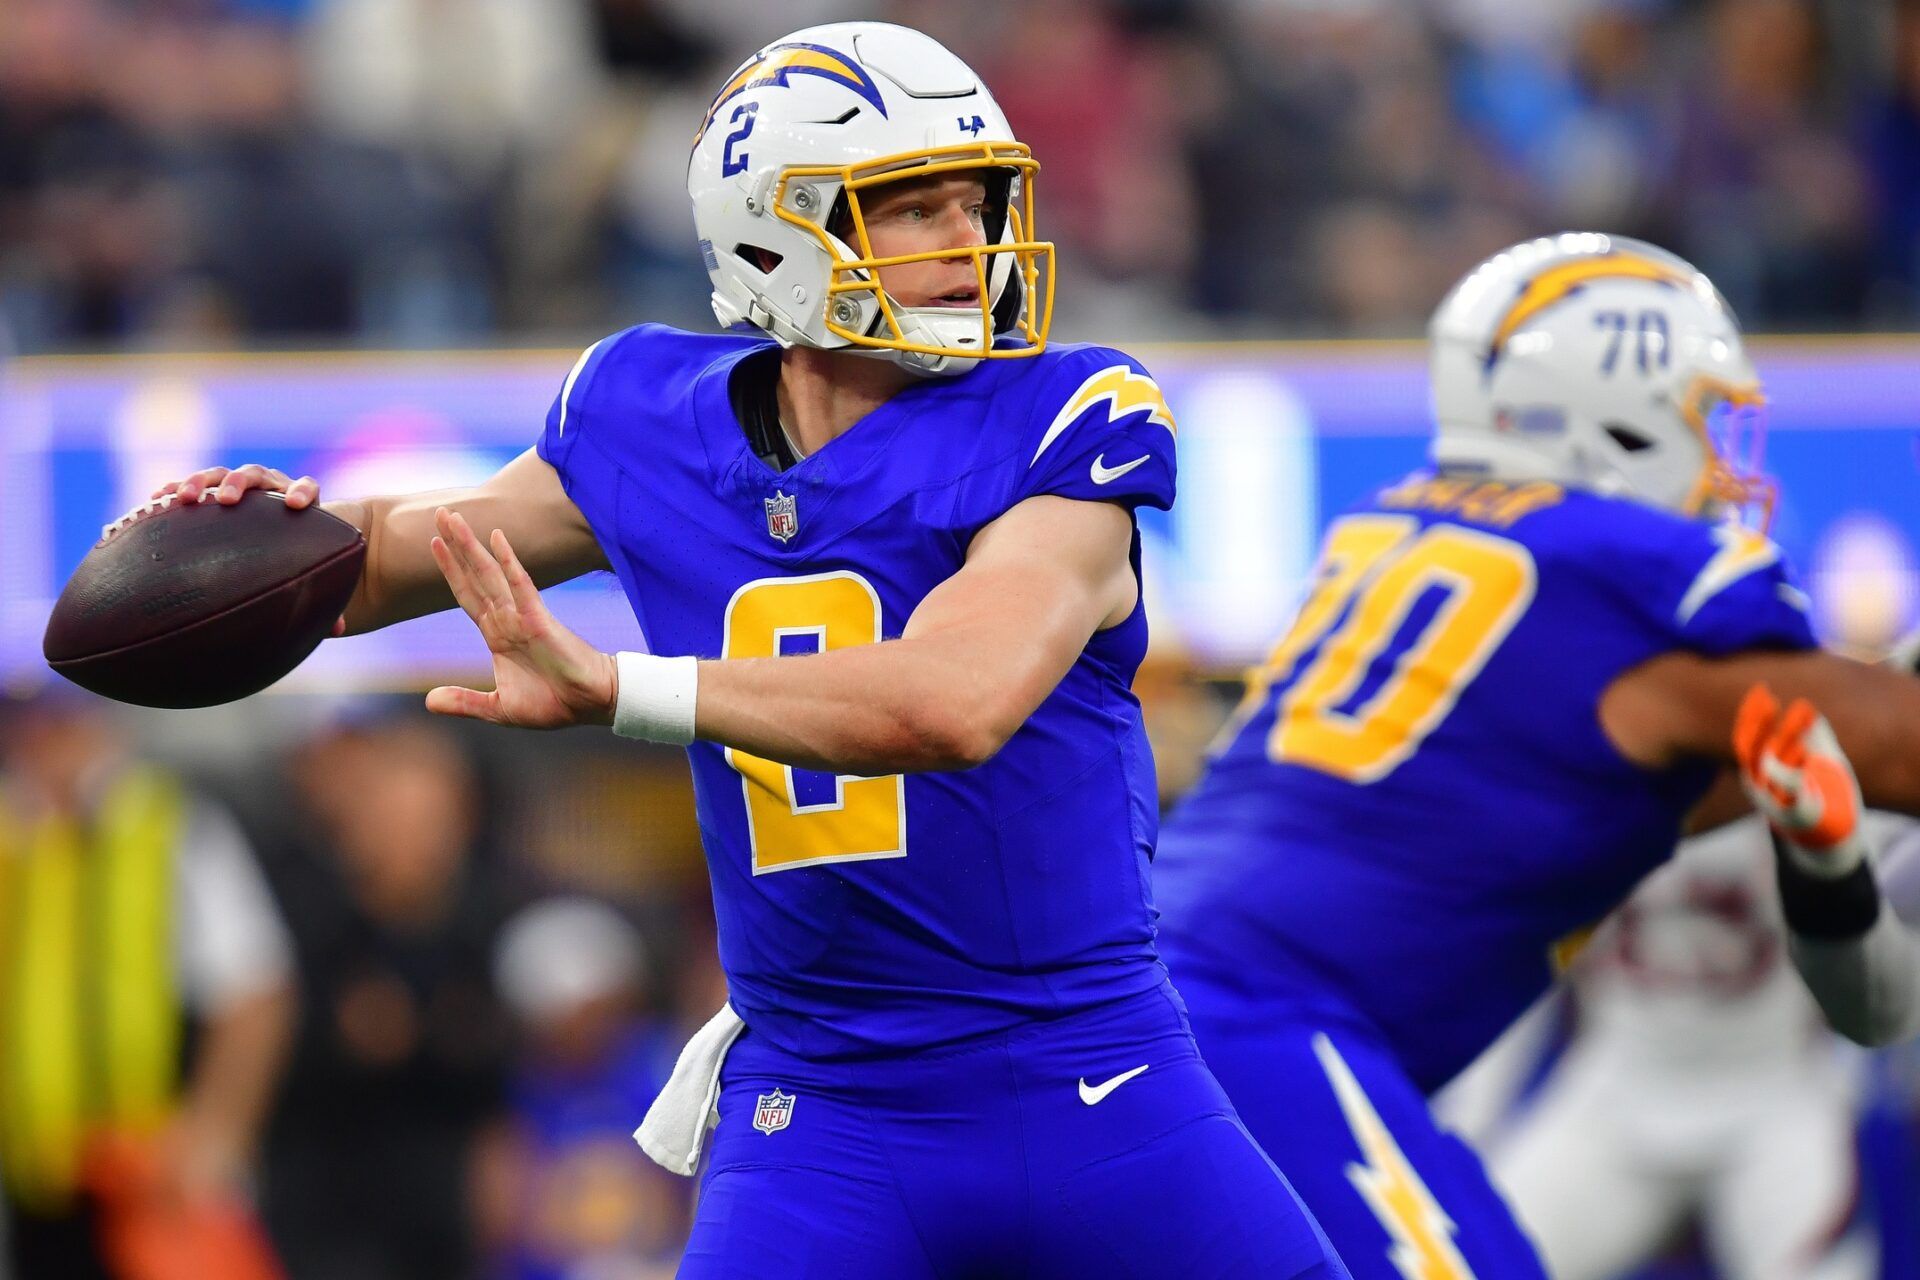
(365, 239)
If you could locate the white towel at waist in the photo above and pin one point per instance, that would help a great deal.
(675, 1127)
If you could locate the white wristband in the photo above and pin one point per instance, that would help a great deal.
(656, 697)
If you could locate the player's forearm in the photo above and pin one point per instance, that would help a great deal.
(238, 1068)
(1867, 985)
(1855, 943)
(979, 654)
(400, 580)
(1682, 706)
(905, 706)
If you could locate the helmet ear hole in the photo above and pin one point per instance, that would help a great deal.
(839, 223)
(1627, 438)
(1000, 185)
(1006, 308)
(765, 261)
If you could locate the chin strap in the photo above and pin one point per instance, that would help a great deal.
(947, 327)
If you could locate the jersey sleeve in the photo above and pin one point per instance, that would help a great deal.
(1729, 589)
(571, 414)
(1101, 431)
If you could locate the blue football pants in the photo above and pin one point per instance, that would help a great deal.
(1094, 1145)
(1326, 1097)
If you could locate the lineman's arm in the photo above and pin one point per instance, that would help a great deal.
(981, 652)
(524, 499)
(1682, 705)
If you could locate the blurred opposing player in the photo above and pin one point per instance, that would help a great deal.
(1512, 679)
(929, 855)
(1703, 1084)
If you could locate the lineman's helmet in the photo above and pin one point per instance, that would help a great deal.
(1602, 363)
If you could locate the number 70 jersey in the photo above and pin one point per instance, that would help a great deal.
(1416, 802)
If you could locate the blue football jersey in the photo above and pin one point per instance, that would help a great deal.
(1417, 805)
(865, 915)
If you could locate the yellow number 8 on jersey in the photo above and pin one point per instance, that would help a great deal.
(862, 817)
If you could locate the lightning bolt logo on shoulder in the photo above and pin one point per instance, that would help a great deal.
(1124, 391)
(1742, 551)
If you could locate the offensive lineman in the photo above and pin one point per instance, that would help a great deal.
(961, 1056)
(1510, 682)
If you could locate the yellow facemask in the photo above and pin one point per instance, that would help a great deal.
(850, 277)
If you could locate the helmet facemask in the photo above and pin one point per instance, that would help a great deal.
(1731, 422)
(1014, 271)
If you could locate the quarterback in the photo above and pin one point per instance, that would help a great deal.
(1512, 679)
(879, 536)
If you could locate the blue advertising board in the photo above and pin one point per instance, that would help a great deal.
(1275, 439)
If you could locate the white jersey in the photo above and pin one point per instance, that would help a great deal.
(1703, 1082)
(1692, 973)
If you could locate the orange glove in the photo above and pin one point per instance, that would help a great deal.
(1796, 775)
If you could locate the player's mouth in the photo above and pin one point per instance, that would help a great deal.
(967, 297)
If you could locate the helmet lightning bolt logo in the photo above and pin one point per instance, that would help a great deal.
(1563, 280)
(1124, 391)
(1422, 1233)
(779, 64)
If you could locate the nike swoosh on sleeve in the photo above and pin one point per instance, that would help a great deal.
(1106, 475)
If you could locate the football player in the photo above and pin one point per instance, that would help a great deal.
(1701, 1086)
(1513, 677)
(879, 536)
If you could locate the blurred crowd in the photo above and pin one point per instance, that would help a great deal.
(211, 172)
(353, 995)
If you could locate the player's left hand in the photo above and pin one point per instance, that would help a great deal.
(544, 676)
(1797, 776)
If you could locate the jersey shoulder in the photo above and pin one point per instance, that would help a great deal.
(646, 373)
(1710, 587)
(1707, 587)
(1086, 422)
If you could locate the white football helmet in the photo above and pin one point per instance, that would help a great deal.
(793, 139)
(1603, 363)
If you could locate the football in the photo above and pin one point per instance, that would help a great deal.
(190, 605)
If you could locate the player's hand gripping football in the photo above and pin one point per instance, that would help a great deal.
(225, 485)
(1796, 775)
(545, 676)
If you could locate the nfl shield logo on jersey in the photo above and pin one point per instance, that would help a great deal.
(783, 516)
(774, 1111)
